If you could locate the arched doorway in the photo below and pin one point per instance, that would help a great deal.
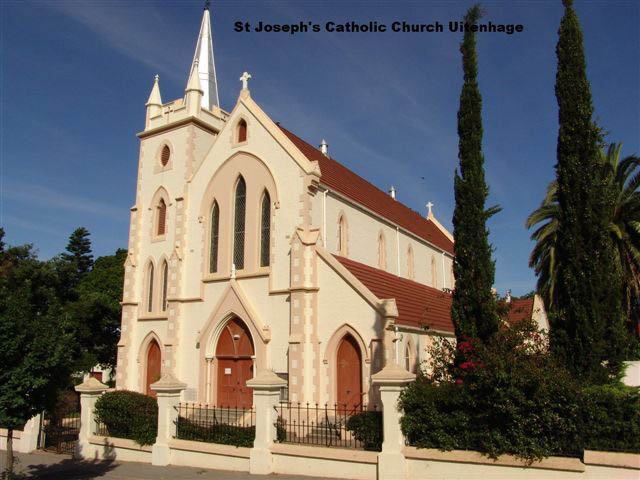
(154, 363)
(234, 354)
(349, 373)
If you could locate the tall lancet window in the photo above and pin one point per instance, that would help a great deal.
(150, 288)
(265, 230)
(213, 250)
(410, 265)
(382, 253)
(238, 231)
(165, 285)
(242, 131)
(342, 236)
(434, 272)
(162, 216)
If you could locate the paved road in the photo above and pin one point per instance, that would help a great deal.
(48, 466)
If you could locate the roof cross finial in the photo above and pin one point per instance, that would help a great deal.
(245, 80)
(429, 206)
(207, 4)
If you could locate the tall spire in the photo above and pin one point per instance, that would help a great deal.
(206, 65)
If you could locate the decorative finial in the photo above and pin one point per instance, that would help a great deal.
(156, 78)
(429, 206)
(245, 80)
(207, 4)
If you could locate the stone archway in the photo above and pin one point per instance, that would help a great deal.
(349, 373)
(234, 359)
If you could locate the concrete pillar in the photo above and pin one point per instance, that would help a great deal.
(29, 437)
(266, 396)
(168, 390)
(90, 390)
(391, 380)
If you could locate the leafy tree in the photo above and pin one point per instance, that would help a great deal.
(587, 319)
(97, 311)
(624, 228)
(473, 310)
(36, 344)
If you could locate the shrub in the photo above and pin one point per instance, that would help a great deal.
(129, 415)
(367, 429)
(216, 433)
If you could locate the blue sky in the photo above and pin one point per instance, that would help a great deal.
(76, 76)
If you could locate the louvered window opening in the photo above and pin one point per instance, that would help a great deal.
(165, 284)
(162, 215)
(242, 131)
(215, 221)
(238, 234)
(150, 285)
(164, 157)
(265, 231)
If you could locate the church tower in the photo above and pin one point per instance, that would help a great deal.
(173, 144)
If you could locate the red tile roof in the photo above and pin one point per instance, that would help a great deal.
(339, 178)
(418, 305)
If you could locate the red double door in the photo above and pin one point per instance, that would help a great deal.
(234, 355)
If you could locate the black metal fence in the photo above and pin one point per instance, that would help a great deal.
(101, 429)
(59, 428)
(338, 426)
(211, 424)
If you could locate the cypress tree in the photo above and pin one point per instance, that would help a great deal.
(587, 331)
(474, 309)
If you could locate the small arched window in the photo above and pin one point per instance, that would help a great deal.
(382, 252)
(242, 131)
(239, 221)
(162, 217)
(165, 285)
(342, 236)
(407, 358)
(434, 272)
(213, 249)
(410, 264)
(150, 288)
(165, 155)
(265, 229)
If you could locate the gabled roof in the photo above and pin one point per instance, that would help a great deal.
(339, 178)
(418, 305)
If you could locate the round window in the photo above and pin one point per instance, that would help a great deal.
(164, 157)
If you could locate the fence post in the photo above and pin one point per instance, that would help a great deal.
(90, 390)
(266, 396)
(168, 390)
(391, 461)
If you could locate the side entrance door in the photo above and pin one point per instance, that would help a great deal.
(349, 373)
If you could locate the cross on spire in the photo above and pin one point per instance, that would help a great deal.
(245, 80)
(429, 206)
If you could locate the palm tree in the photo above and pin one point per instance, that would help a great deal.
(624, 228)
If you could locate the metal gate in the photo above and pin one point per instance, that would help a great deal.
(59, 429)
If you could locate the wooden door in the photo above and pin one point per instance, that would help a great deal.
(234, 354)
(349, 373)
(154, 362)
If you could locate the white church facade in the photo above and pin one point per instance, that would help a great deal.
(251, 249)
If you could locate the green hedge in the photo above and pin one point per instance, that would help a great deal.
(130, 415)
(217, 433)
(367, 429)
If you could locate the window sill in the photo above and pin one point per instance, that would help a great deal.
(158, 238)
(152, 316)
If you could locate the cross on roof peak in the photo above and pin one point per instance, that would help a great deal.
(245, 80)
(429, 206)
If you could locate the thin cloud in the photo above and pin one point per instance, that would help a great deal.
(10, 220)
(46, 197)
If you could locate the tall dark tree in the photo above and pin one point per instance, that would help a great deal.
(474, 309)
(587, 331)
(1, 240)
(79, 250)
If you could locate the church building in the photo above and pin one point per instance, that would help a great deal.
(251, 249)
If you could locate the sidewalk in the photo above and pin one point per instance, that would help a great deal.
(49, 466)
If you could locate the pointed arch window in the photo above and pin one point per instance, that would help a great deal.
(342, 236)
(165, 285)
(242, 131)
(162, 217)
(382, 253)
(265, 230)
(213, 248)
(410, 263)
(150, 288)
(239, 223)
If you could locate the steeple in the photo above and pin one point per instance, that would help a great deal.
(205, 65)
(194, 93)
